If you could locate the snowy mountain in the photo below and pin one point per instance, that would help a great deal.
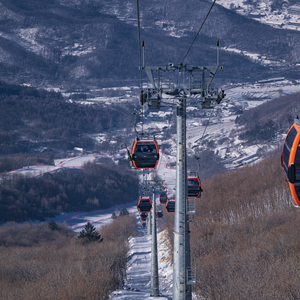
(76, 45)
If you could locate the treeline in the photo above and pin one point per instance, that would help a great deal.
(30, 117)
(93, 187)
(18, 161)
(263, 122)
(9, 89)
(37, 263)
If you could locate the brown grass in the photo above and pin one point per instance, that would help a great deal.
(244, 239)
(60, 268)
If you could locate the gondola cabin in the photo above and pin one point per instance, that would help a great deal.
(159, 214)
(163, 198)
(290, 160)
(144, 216)
(145, 154)
(144, 224)
(144, 204)
(170, 206)
(194, 187)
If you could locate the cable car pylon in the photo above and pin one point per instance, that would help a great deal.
(154, 290)
(184, 275)
(153, 185)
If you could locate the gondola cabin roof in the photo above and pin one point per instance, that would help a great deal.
(145, 154)
(144, 204)
(290, 160)
(170, 206)
(194, 187)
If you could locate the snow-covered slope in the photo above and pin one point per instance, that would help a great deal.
(138, 273)
(279, 14)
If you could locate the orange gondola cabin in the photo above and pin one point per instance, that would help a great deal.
(144, 204)
(145, 154)
(163, 198)
(194, 187)
(144, 216)
(159, 214)
(290, 160)
(170, 206)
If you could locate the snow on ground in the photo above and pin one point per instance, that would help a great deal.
(73, 162)
(165, 264)
(98, 217)
(138, 274)
(254, 56)
(261, 10)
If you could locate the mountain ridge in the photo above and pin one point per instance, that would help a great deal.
(86, 43)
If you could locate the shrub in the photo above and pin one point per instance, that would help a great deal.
(51, 265)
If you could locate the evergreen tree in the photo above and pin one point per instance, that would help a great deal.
(124, 212)
(114, 215)
(53, 226)
(89, 234)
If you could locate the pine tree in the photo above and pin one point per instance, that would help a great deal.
(114, 215)
(89, 234)
(53, 226)
(124, 212)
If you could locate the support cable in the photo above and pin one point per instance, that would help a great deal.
(198, 31)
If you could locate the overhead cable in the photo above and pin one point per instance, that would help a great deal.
(198, 31)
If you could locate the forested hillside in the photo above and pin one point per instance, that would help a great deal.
(244, 239)
(264, 122)
(32, 118)
(93, 187)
